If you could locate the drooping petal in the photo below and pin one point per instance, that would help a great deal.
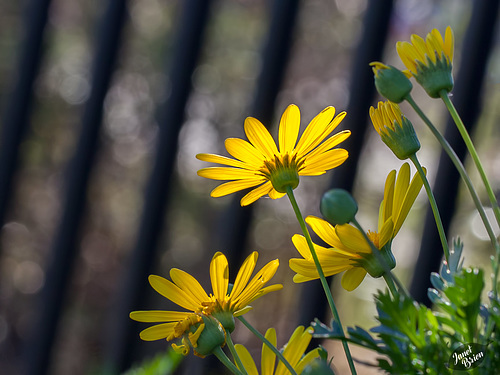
(234, 186)
(226, 173)
(256, 193)
(259, 136)
(219, 275)
(352, 278)
(157, 332)
(157, 316)
(289, 129)
(218, 159)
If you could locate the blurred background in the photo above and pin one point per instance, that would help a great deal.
(104, 105)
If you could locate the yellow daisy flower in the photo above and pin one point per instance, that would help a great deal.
(223, 304)
(430, 60)
(293, 352)
(260, 165)
(349, 250)
(395, 130)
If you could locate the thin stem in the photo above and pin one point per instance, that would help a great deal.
(269, 345)
(234, 353)
(219, 353)
(391, 285)
(472, 150)
(321, 274)
(465, 177)
(376, 253)
(435, 210)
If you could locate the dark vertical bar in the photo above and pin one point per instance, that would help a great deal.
(123, 338)
(233, 234)
(65, 245)
(18, 109)
(361, 93)
(467, 99)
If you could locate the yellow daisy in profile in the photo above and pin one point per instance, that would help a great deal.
(260, 165)
(293, 352)
(349, 250)
(395, 130)
(430, 60)
(221, 306)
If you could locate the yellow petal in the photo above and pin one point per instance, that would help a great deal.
(268, 358)
(259, 136)
(256, 193)
(305, 360)
(227, 173)
(157, 332)
(449, 43)
(352, 239)
(352, 278)
(172, 292)
(274, 194)
(244, 274)
(325, 231)
(387, 209)
(330, 143)
(410, 197)
(289, 129)
(219, 275)
(320, 163)
(315, 131)
(402, 182)
(246, 359)
(386, 233)
(234, 186)
(258, 282)
(294, 349)
(218, 159)
(245, 152)
(189, 285)
(157, 316)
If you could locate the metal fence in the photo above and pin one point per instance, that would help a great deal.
(32, 352)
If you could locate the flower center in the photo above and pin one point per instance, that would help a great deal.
(283, 171)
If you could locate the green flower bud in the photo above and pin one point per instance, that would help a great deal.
(390, 82)
(338, 206)
(395, 130)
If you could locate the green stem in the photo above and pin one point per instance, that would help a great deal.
(321, 274)
(234, 353)
(390, 283)
(465, 177)
(435, 210)
(388, 275)
(219, 353)
(472, 150)
(269, 345)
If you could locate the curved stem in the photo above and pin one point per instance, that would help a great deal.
(465, 177)
(472, 150)
(435, 210)
(269, 345)
(324, 283)
(234, 353)
(219, 353)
